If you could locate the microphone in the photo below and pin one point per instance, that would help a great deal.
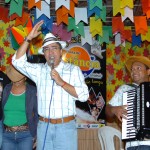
(52, 62)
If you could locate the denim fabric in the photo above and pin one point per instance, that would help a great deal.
(1, 132)
(17, 141)
(140, 147)
(59, 136)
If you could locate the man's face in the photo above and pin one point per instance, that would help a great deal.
(53, 50)
(139, 73)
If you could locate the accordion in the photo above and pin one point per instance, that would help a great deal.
(137, 124)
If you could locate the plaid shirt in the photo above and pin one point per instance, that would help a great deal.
(50, 95)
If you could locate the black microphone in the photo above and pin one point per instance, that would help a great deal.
(52, 62)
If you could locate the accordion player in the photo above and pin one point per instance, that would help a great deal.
(137, 124)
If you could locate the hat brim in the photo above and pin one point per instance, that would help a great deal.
(141, 59)
(63, 44)
(13, 74)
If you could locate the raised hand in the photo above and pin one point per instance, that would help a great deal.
(35, 31)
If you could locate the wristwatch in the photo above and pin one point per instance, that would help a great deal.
(27, 40)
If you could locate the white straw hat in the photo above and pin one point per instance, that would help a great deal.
(49, 39)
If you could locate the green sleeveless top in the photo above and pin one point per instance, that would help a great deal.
(14, 110)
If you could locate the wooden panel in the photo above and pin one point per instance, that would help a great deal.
(88, 139)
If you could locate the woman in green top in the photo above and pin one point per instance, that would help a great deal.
(20, 112)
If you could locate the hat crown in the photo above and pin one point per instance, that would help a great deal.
(49, 35)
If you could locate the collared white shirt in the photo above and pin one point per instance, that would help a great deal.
(52, 97)
(117, 100)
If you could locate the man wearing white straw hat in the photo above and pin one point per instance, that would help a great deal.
(59, 84)
(139, 69)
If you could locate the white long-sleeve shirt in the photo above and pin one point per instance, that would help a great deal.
(50, 94)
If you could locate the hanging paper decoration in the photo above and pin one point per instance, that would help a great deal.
(116, 8)
(117, 39)
(23, 19)
(104, 38)
(88, 37)
(47, 25)
(127, 35)
(65, 3)
(140, 25)
(79, 17)
(45, 9)
(136, 40)
(128, 3)
(146, 37)
(78, 29)
(94, 10)
(61, 32)
(14, 5)
(96, 26)
(96, 3)
(4, 14)
(102, 14)
(62, 15)
(32, 3)
(117, 25)
(128, 13)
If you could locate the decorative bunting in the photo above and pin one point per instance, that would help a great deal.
(140, 25)
(62, 15)
(45, 9)
(72, 7)
(148, 14)
(145, 5)
(128, 14)
(109, 29)
(117, 8)
(22, 20)
(146, 37)
(4, 14)
(47, 25)
(79, 28)
(88, 37)
(96, 26)
(61, 32)
(104, 38)
(95, 10)
(97, 3)
(79, 17)
(65, 3)
(128, 3)
(136, 40)
(117, 25)
(127, 35)
(103, 14)
(14, 5)
(117, 39)
(32, 3)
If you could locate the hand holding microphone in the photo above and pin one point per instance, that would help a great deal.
(54, 74)
(52, 59)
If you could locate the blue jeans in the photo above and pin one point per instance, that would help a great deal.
(59, 136)
(1, 133)
(17, 141)
(140, 147)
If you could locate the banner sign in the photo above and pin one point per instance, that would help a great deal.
(92, 61)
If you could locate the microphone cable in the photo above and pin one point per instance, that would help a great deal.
(48, 117)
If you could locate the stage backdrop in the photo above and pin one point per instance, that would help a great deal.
(92, 61)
